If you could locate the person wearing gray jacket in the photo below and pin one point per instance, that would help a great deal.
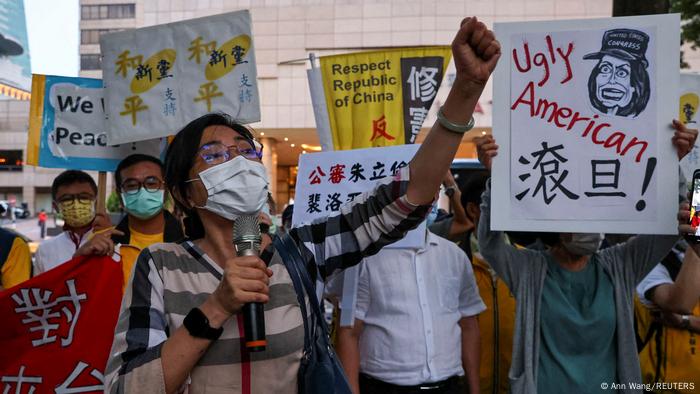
(568, 334)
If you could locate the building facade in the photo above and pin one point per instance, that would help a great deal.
(285, 33)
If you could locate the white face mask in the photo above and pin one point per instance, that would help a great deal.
(238, 187)
(584, 244)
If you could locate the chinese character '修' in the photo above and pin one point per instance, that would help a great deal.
(38, 306)
(423, 84)
(547, 171)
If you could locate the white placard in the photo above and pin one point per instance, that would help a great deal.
(159, 78)
(585, 137)
(326, 180)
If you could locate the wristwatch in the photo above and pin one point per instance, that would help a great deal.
(197, 324)
(450, 191)
(685, 322)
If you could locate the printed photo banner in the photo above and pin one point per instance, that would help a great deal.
(584, 135)
(160, 78)
(327, 180)
(58, 328)
(381, 98)
(688, 114)
(67, 127)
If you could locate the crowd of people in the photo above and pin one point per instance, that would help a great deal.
(473, 310)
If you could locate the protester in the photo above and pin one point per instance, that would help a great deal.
(42, 223)
(455, 226)
(15, 259)
(416, 325)
(73, 193)
(214, 173)
(668, 319)
(140, 185)
(565, 320)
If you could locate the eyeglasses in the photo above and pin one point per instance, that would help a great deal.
(69, 199)
(217, 153)
(132, 186)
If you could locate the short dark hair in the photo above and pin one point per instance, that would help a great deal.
(70, 177)
(639, 79)
(134, 159)
(474, 187)
(181, 156)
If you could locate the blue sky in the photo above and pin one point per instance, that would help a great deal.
(54, 36)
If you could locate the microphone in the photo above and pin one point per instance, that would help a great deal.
(246, 239)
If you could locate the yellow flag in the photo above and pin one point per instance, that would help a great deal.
(381, 98)
(36, 113)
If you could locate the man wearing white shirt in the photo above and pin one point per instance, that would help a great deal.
(416, 327)
(74, 194)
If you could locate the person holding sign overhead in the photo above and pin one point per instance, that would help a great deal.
(180, 324)
(575, 303)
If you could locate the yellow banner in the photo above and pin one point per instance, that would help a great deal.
(36, 113)
(381, 98)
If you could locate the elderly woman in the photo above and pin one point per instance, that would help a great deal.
(574, 327)
(214, 173)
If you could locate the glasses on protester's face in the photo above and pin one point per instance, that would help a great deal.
(216, 152)
(70, 199)
(151, 184)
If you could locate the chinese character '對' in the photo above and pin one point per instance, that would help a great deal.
(197, 48)
(547, 171)
(124, 62)
(207, 92)
(423, 83)
(38, 307)
(133, 105)
(316, 176)
(379, 129)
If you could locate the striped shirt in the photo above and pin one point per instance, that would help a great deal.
(170, 279)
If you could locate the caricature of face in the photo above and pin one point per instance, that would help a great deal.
(613, 82)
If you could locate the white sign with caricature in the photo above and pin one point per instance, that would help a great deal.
(585, 128)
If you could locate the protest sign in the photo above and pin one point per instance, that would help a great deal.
(380, 98)
(688, 114)
(15, 67)
(159, 78)
(584, 126)
(67, 127)
(327, 180)
(68, 312)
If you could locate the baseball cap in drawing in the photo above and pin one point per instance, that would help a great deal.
(627, 44)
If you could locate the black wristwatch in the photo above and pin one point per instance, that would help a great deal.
(450, 191)
(197, 324)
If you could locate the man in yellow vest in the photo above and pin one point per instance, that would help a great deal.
(668, 323)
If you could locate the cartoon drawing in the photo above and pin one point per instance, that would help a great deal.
(619, 83)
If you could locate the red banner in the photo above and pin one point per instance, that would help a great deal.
(57, 328)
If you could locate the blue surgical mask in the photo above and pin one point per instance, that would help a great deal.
(143, 204)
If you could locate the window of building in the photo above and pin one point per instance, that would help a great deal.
(92, 36)
(91, 62)
(11, 160)
(107, 11)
